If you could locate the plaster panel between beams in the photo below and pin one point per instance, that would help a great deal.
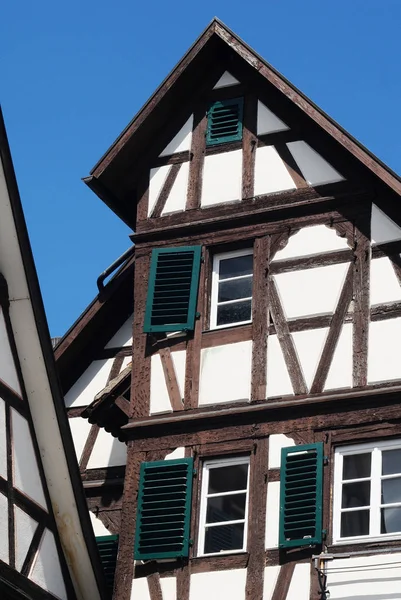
(272, 514)
(222, 178)
(277, 378)
(89, 384)
(270, 580)
(157, 178)
(215, 585)
(267, 121)
(123, 337)
(384, 285)
(8, 372)
(178, 195)
(315, 169)
(340, 371)
(25, 528)
(300, 583)
(384, 350)
(98, 528)
(107, 452)
(3, 443)
(169, 588)
(383, 229)
(225, 374)
(181, 142)
(4, 529)
(374, 577)
(312, 240)
(309, 346)
(278, 441)
(311, 291)
(80, 429)
(46, 571)
(226, 80)
(271, 174)
(159, 398)
(140, 589)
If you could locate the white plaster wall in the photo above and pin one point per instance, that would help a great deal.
(267, 121)
(216, 585)
(277, 442)
(222, 178)
(225, 373)
(25, 528)
(376, 577)
(80, 429)
(311, 291)
(169, 588)
(270, 579)
(26, 472)
(107, 452)
(179, 361)
(140, 589)
(182, 140)
(157, 177)
(384, 350)
(98, 528)
(46, 571)
(3, 528)
(272, 514)
(177, 453)
(383, 229)
(3, 444)
(384, 286)
(226, 80)
(315, 169)
(340, 372)
(123, 337)
(178, 195)
(159, 398)
(271, 174)
(89, 384)
(309, 347)
(300, 583)
(277, 377)
(8, 371)
(312, 240)
(126, 361)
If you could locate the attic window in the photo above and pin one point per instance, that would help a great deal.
(224, 121)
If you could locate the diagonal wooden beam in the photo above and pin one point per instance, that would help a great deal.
(33, 547)
(171, 379)
(334, 333)
(291, 165)
(165, 191)
(286, 341)
(283, 581)
(155, 589)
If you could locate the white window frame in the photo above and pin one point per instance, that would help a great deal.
(215, 288)
(375, 449)
(213, 464)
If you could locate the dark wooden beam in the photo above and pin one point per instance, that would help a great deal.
(171, 379)
(260, 317)
(165, 191)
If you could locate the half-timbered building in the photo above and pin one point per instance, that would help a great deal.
(47, 546)
(239, 377)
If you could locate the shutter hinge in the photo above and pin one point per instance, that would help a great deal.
(191, 542)
(325, 461)
(324, 534)
(197, 315)
(202, 259)
(195, 473)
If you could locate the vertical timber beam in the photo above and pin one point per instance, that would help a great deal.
(198, 148)
(260, 318)
(249, 145)
(194, 347)
(140, 380)
(125, 564)
(361, 316)
(257, 521)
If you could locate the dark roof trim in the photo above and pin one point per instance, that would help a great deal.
(47, 350)
(218, 28)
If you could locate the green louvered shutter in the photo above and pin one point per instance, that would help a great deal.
(164, 509)
(173, 289)
(108, 548)
(224, 121)
(301, 496)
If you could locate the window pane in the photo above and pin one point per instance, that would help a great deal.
(357, 466)
(233, 267)
(391, 490)
(356, 494)
(226, 508)
(234, 313)
(228, 479)
(391, 462)
(232, 290)
(224, 537)
(390, 520)
(355, 523)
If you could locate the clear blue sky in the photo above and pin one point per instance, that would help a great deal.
(73, 74)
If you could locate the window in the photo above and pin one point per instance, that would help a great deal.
(224, 506)
(231, 302)
(224, 121)
(367, 492)
(172, 289)
(108, 548)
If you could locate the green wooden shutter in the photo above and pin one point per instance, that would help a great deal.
(224, 121)
(301, 496)
(164, 509)
(173, 289)
(108, 548)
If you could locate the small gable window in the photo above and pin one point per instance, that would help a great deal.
(172, 289)
(232, 289)
(224, 121)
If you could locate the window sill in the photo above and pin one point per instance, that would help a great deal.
(365, 544)
(214, 562)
